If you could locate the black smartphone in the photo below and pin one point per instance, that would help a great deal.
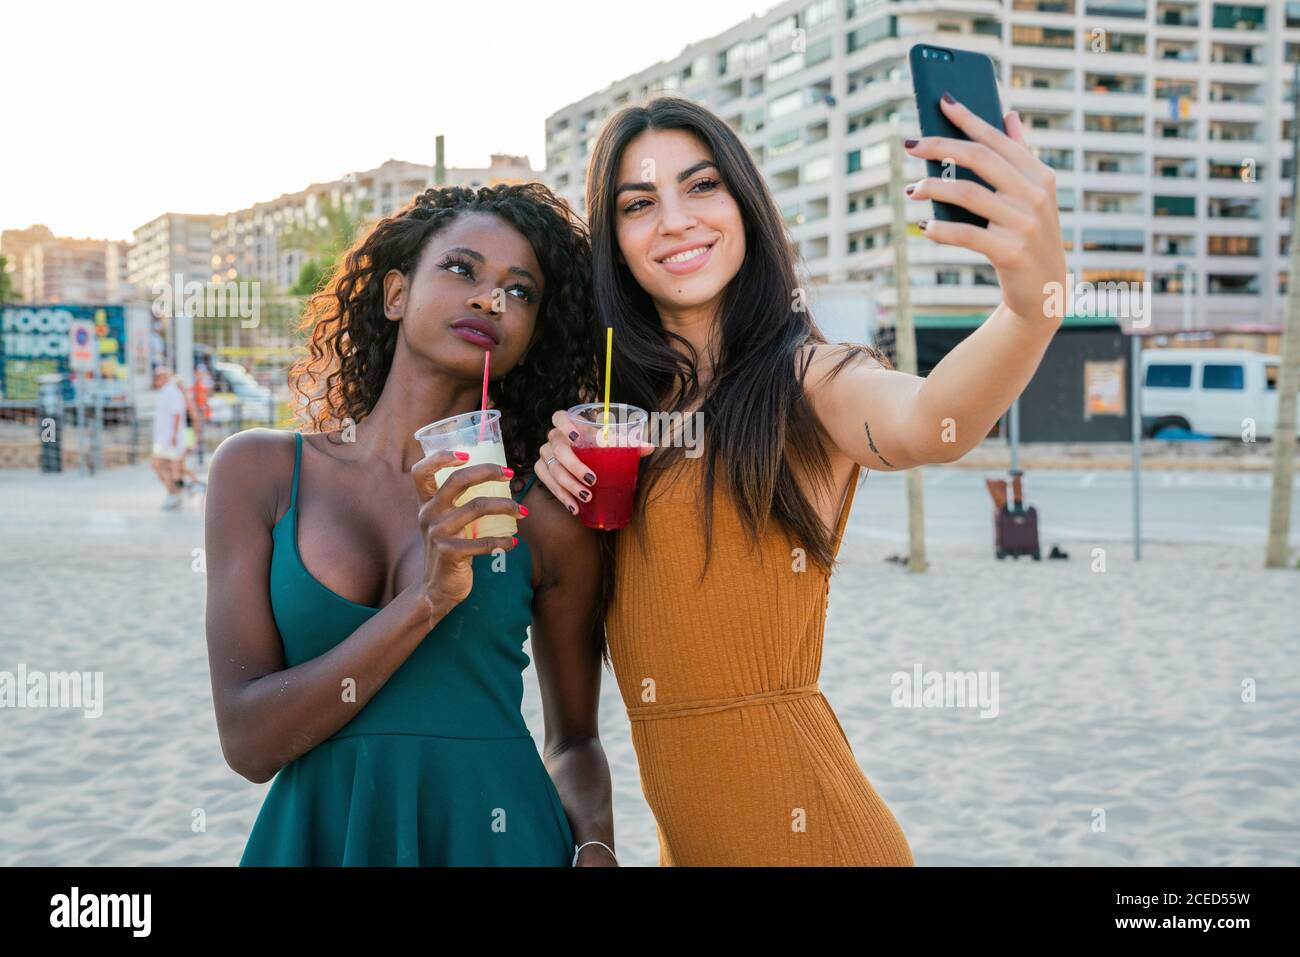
(969, 77)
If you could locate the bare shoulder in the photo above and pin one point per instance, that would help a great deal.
(556, 538)
(254, 466)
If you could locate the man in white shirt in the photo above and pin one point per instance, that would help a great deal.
(168, 434)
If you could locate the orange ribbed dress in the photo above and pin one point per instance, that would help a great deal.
(742, 760)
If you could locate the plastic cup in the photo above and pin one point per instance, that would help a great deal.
(613, 451)
(460, 433)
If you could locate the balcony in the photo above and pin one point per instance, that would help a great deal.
(1236, 93)
(1163, 244)
(1174, 129)
(1222, 131)
(1180, 51)
(1239, 54)
(1169, 167)
(1233, 208)
(1124, 204)
(1110, 83)
(1178, 13)
(1113, 163)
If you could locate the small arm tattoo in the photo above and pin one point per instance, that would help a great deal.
(872, 445)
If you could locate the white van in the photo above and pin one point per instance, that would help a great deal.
(1211, 391)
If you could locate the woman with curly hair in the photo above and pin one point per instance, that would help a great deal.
(366, 653)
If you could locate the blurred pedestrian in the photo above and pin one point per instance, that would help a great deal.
(168, 434)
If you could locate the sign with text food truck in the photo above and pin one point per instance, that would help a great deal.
(37, 339)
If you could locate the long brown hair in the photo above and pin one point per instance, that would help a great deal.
(758, 424)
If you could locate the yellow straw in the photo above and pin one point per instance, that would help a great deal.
(609, 355)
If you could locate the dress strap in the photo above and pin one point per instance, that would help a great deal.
(527, 485)
(297, 462)
(843, 520)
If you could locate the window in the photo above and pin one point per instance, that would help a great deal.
(1238, 16)
(1137, 9)
(1174, 205)
(1114, 240)
(1223, 377)
(875, 30)
(785, 104)
(784, 142)
(1024, 36)
(818, 52)
(784, 66)
(817, 11)
(855, 161)
(1169, 376)
(817, 169)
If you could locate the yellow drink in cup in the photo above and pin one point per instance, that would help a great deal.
(461, 433)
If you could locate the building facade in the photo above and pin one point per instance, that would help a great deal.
(258, 243)
(172, 245)
(45, 268)
(1168, 122)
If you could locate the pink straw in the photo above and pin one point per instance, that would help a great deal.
(482, 419)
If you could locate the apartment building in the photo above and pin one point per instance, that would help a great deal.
(171, 245)
(258, 242)
(1169, 123)
(45, 268)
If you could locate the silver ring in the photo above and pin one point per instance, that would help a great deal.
(550, 460)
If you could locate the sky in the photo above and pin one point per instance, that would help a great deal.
(115, 113)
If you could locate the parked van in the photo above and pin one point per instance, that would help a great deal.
(1211, 391)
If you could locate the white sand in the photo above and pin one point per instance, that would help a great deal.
(1117, 691)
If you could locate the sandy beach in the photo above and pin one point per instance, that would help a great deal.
(1121, 734)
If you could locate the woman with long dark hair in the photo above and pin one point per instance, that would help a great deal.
(716, 619)
(365, 651)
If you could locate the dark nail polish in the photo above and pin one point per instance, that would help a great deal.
(573, 436)
(909, 189)
(908, 144)
(922, 224)
(948, 98)
(584, 495)
(589, 479)
(573, 509)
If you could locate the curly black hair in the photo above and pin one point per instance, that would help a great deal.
(351, 343)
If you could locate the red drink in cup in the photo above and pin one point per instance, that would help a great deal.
(612, 450)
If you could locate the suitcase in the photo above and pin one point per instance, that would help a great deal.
(1015, 527)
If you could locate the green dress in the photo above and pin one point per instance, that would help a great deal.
(439, 768)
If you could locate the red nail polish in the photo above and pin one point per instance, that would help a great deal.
(514, 540)
(508, 472)
(908, 144)
(523, 511)
(463, 456)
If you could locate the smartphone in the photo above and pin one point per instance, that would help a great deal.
(969, 77)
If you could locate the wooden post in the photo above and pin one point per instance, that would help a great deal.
(1288, 378)
(905, 341)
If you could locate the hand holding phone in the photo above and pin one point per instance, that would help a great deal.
(991, 194)
(939, 70)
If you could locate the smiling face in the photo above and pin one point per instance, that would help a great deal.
(477, 288)
(679, 229)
